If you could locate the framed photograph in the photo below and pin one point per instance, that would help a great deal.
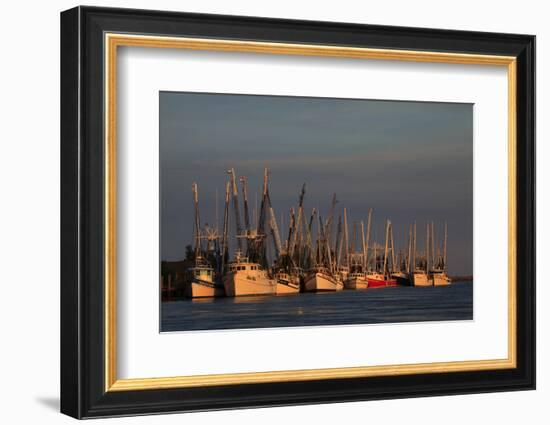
(261, 212)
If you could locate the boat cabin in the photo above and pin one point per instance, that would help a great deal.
(202, 273)
(233, 267)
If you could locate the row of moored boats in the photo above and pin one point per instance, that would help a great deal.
(316, 254)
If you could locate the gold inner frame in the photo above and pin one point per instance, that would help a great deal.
(113, 41)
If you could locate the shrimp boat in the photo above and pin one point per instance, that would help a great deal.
(247, 278)
(202, 283)
(287, 283)
(357, 278)
(243, 275)
(402, 274)
(382, 278)
(420, 278)
(319, 279)
(287, 271)
(438, 273)
(202, 276)
(419, 275)
(439, 278)
(401, 278)
(339, 282)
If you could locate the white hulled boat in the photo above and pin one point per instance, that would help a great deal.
(246, 278)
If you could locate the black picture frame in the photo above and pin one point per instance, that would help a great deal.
(83, 392)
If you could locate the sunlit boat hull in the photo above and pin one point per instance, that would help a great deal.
(356, 283)
(203, 289)
(440, 279)
(320, 282)
(288, 287)
(421, 279)
(239, 284)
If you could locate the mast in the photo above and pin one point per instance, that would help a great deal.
(414, 249)
(238, 229)
(445, 249)
(364, 247)
(427, 247)
(353, 247)
(392, 249)
(263, 205)
(338, 242)
(433, 245)
(275, 232)
(438, 256)
(298, 220)
(328, 234)
(310, 239)
(386, 248)
(325, 242)
(259, 245)
(410, 250)
(225, 225)
(197, 223)
(369, 222)
(346, 240)
(302, 244)
(244, 189)
(217, 216)
(375, 257)
(291, 225)
(318, 260)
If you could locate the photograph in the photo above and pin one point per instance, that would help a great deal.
(285, 211)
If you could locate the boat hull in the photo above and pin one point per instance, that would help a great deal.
(421, 279)
(402, 280)
(319, 282)
(201, 289)
(380, 282)
(285, 288)
(357, 284)
(440, 280)
(237, 284)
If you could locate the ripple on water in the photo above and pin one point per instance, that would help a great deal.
(384, 305)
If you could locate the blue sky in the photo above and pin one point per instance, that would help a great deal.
(406, 160)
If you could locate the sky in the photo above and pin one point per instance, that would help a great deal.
(408, 161)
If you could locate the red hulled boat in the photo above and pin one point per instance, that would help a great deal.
(378, 280)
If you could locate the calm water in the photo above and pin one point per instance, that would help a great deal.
(384, 305)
